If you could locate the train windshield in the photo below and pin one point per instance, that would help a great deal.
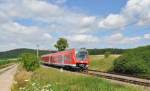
(81, 55)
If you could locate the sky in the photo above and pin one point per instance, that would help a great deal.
(84, 23)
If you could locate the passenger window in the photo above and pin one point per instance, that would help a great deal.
(59, 58)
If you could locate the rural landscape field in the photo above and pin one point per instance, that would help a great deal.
(74, 45)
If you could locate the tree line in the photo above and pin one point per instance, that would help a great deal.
(103, 51)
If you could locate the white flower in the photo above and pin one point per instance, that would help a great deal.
(33, 84)
(21, 88)
(15, 82)
(26, 80)
(61, 70)
(42, 90)
(49, 85)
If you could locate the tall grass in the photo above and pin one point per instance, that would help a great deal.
(4, 62)
(101, 63)
(49, 79)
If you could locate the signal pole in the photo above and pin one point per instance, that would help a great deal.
(37, 51)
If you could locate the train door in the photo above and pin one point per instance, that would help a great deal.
(49, 60)
(61, 59)
(67, 58)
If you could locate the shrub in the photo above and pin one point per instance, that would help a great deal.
(107, 54)
(22, 78)
(135, 61)
(30, 61)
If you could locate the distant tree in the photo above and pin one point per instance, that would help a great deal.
(107, 54)
(61, 44)
(102, 51)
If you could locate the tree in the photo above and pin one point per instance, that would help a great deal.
(30, 61)
(61, 44)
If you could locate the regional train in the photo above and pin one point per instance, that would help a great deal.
(73, 58)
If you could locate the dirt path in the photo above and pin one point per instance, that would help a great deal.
(6, 78)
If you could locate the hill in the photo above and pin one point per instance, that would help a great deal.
(17, 52)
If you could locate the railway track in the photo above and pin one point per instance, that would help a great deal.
(127, 79)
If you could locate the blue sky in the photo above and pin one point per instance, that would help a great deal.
(84, 23)
(97, 7)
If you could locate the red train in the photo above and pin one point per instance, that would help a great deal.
(71, 58)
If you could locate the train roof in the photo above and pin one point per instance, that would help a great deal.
(61, 52)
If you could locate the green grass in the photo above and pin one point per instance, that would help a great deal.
(51, 79)
(98, 62)
(4, 63)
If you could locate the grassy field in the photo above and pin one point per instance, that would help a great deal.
(4, 63)
(98, 62)
(49, 79)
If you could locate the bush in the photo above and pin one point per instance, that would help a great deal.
(135, 61)
(107, 54)
(30, 61)
(22, 78)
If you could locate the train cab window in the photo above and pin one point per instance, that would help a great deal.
(81, 55)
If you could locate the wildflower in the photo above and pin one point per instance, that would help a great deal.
(33, 84)
(43, 90)
(21, 88)
(49, 85)
(26, 80)
(61, 70)
(15, 82)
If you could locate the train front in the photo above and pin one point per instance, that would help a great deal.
(82, 59)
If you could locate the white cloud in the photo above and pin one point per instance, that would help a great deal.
(16, 35)
(47, 36)
(145, 20)
(14, 27)
(53, 17)
(113, 21)
(82, 38)
(88, 20)
(147, 36)
(56, 21)
(136, 12)
(118, 38)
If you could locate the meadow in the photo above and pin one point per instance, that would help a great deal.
(99, 62)
(5, 62)
(50, 79)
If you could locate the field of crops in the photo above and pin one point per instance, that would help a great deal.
(99, 62)
(49, 79)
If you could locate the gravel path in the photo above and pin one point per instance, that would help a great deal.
(6, 78)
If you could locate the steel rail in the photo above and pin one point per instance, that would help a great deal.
(123, 78)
